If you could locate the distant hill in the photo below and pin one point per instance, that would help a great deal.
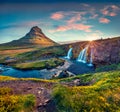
(34, 37)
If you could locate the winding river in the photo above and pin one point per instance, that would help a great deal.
(76, 68)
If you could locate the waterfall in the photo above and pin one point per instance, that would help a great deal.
(91, 60)
(69, 54)
(82, 56)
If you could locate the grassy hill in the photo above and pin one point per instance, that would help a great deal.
(98, 92)
(102, 94)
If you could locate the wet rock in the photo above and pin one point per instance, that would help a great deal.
(47, 100)
(63, 74)
(92, 81)
(29, 88)
(48, 107)
(77, 82)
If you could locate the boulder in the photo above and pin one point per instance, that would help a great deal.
(63, 74)
(77, 82)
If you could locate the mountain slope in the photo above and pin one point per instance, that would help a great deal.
(34, 37)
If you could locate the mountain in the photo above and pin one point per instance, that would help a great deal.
(34, 37)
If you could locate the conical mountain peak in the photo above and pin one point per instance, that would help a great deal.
(35, 29)
(34, 37)
(35, 32)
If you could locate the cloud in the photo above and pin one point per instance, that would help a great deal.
(57, 16)
(85, 5)
(104, 20)
(78, 16)
(82, 27)
(73, 20)
(114, 7)
(94, 16)
(110, 10)
(78, 20)
(70, 16)
(85, 13)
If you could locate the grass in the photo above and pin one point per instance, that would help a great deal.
(23, 57)
(5, 78)
(8, 78)
(42, 53)
(51, 63)
(100, 96)
(12, 52)
(15, 103)
(108, 68)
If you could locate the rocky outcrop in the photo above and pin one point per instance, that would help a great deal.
(63, 74)
(105, 51)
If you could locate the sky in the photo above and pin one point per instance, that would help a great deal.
(60, 20)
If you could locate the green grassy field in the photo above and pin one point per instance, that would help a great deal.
(103, 95)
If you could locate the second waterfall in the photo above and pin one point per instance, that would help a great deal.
(83, 55)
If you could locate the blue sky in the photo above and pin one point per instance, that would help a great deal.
(60, 20)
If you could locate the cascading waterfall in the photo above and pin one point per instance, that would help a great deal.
(91, 60)
(82, 56)
(69, 54)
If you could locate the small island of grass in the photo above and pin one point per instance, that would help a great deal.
(51, 63)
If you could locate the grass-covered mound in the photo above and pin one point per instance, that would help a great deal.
(110, 67)
(42, 53)
(51, 63)
(102, 95)
(15, 103)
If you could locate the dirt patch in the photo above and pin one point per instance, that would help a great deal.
(15, 51)
(42, 91)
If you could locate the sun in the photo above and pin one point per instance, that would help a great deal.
(91, 39)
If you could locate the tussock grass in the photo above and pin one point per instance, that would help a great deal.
(15, 103)
(101, 96)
